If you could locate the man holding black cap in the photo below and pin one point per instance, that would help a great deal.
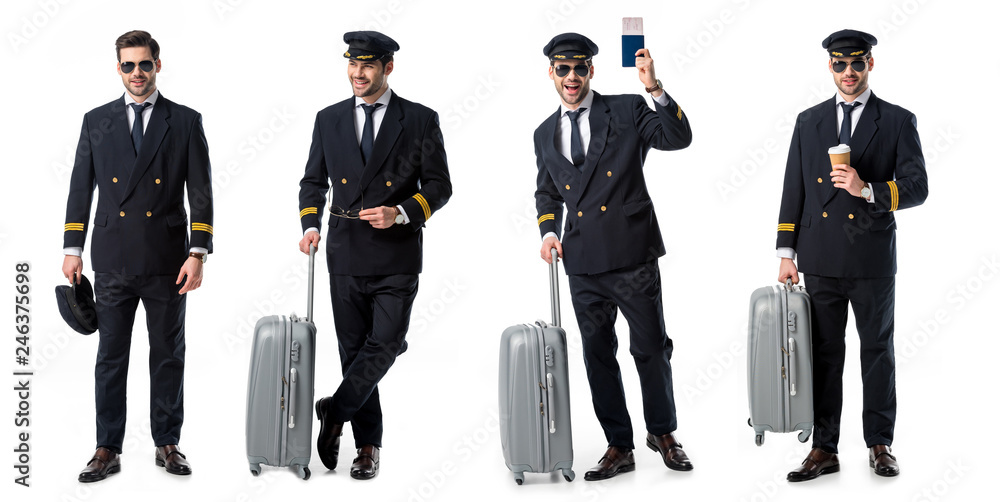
(590, 155)
(839, 222)
(143, 152)
(382, 160)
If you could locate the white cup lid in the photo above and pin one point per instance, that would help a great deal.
(839, 149)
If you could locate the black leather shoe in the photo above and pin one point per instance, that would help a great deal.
(671, 451)
(882, 461)
(104, 463)
(614, 461)
(328, 443)
(170, 458)
(366, 464)
(816, 464)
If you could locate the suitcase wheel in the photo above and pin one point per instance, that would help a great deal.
(519, 478)
(759, 440)
(568, 474)
(304, 472)
(255, 469)
(804, 436)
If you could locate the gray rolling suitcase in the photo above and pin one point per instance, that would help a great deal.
(535, 427)
(779, 361)
(280, 389)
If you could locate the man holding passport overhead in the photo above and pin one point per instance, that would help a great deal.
(590, 155)
(854, 160)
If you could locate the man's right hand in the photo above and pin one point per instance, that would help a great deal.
(787, 269)
(547, 245)
(309, 239)
(72, 268)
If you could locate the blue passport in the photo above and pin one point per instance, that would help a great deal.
(632, 39)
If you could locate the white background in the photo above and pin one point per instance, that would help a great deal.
(742, 69)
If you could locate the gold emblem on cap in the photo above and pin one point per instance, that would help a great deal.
(347, 54)
(581, 56)
(365, 57)
(837, 53)
(857, 53)
(559, 56)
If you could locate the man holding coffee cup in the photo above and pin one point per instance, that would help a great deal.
(837, 220)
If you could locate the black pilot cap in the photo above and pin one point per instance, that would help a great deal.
(76, 305)
(570, 46)
(847, 43)
(368, 45)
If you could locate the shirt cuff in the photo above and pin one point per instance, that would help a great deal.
(786, 253)
(311, 229)
(662, 99)
(199, 250)
(73, 251)
(406, 219)
(550, 234)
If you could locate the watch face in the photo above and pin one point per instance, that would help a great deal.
(399, 219)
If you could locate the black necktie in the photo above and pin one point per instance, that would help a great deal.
(845, 126)
(368, 133)
(137, 125)
(575, 142)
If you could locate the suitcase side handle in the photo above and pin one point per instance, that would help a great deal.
(294, 380)
(554, 287)
(791, 366)
(312, 272)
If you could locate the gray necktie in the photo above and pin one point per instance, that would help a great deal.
(137, 125)
(845, 126)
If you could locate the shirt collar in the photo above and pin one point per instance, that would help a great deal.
(151, 99)
(863, 98)
(587, 103)
(383, 99)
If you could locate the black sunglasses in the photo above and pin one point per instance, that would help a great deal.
(128, 66)
(580, 69)
(857, 65)
(340, 212)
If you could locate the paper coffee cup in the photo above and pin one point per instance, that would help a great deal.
(840, 154)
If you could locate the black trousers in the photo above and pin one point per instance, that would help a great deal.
(596, 300)
(117, 296)
(371, 315)
(873, 301)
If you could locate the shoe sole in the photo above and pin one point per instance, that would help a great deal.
(329, 463)
(828, 470)
(111, 471)
(161, 463)
(624, 468)
(682, 468)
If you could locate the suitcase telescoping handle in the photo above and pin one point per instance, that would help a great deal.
(554, 287)
(312, 272)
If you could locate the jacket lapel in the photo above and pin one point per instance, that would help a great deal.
(865, 130)
(600, 121)
(827, 135)
(121, 143)
(156, 130)
(388, 132)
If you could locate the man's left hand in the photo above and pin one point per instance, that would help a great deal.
(192, 269)
(379, 217)
(844, 176)
(647, 75)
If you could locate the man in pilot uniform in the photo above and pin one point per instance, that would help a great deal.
(590, 155)
(839, 222)
(382, 159)
(142, 150)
